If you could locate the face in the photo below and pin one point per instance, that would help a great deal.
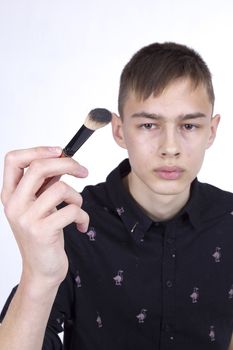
(166, 138)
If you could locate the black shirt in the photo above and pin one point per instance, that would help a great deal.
(135, 284)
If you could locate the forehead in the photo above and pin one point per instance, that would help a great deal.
(179, 97)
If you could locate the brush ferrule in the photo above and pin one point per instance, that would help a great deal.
(77, 141)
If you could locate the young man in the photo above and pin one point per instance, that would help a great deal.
(152, 269)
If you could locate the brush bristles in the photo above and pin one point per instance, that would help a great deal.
(97, 118)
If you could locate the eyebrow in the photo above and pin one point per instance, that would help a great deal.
(154, 116)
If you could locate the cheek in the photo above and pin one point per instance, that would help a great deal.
(139, 149)
(194, 158)
(195, 147)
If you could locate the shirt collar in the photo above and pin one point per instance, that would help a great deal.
(134, 219)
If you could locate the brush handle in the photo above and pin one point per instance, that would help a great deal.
(77, 141)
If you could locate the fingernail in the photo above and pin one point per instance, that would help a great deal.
(55, 150)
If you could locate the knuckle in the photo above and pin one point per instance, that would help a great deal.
(62, 187)
(10, 157)
(35, 165)
(74, 209)
(80, 198)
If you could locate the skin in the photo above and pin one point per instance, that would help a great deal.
(166, 138)
(38, 229)
(38, 226)
(180, 137)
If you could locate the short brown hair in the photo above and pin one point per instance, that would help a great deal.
(153, 67)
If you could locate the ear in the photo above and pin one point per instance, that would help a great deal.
(117, 130)
(213, 129)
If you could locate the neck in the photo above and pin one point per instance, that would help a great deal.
(157, 206)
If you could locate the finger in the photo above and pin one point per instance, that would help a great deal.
(15, 163)
(52, 197)
(41, 169)
(63, 217)
(49, 181)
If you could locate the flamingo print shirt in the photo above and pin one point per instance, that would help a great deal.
(136, 284)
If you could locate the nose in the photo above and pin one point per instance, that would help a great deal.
(170, 146)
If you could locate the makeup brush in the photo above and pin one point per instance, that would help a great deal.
(97, 118)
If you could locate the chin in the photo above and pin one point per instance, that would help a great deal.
(170, 188)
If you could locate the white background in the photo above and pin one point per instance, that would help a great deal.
(60, 59)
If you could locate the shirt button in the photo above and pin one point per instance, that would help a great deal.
(167, 328)
(172, 338)
(169, 284)
(170, 240)
(156, 223)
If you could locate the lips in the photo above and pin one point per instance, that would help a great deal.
(169, 172)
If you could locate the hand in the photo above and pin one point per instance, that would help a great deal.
(36, 223)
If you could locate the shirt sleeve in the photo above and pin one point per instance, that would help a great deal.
(7, 303)
(60, 315)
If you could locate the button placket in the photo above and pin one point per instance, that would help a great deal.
(168, 282)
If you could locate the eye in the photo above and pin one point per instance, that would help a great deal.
(148, 126)
(189, 127)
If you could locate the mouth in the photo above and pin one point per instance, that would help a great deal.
(169, 172)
